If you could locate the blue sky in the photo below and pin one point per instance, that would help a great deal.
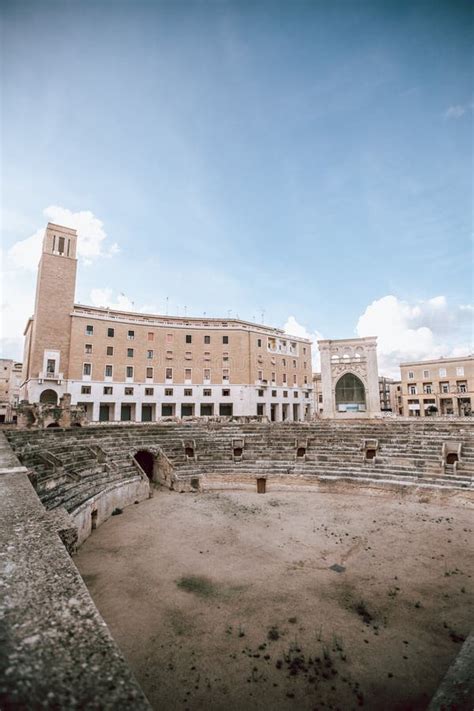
(308, 159)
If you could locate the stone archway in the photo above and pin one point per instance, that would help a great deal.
(350, 394)
(49, 397)
(147, 462)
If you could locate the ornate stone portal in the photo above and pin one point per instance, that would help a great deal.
(349, 378)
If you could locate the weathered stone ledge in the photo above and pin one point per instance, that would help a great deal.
(55, 649)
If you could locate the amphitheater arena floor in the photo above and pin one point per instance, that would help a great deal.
(228, 600)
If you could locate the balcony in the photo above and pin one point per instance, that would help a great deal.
(50, 375)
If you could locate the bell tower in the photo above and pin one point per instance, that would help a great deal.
(48, 333)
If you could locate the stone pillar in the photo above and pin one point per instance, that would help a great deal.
(117, 410)
(95, 410)
(326, 379)
(373, 397)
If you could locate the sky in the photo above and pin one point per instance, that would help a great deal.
(308, 164)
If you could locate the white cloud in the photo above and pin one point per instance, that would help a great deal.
(293, 328)
(416, 331)
(91, 238)
(106, 299)
(454, 112)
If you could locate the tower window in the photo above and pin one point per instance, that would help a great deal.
(61, 245)
(131, 335)
(89, 330)
(110, 332)
(189, 338)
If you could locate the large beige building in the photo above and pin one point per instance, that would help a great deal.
(10, 380)
(438, 387)
(125, 366)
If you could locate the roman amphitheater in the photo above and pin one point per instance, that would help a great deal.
(254, 565)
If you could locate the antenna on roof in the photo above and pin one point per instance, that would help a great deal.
(167, 303)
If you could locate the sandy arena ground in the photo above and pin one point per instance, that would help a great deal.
(227, 601)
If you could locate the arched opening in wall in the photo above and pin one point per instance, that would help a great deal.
(301, 452)
(52, 424)
(49, 397)
(147, 462)
(94, 515)
(350, 394)
(370, 453)
(451, 458)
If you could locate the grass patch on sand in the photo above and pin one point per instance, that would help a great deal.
(197, 584)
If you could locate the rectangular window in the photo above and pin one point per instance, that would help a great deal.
(89, 330)
(169, 355)
(110, 332)
(294, 364)
(85, 390)
(426, 373)
(412, 389)
(295, 394)
(128, 391)
(168, 392)
(225, 375)
(149, 391)
(149, 373)
(226, 392)
(284, 378)
(460, 370)
(169, 374)
(207, 339)
(88, 348)
(50, 366)
(304, 350)
(110, 350)
(108, 390)
(187, 373)
(129, 371)
(61, 245)
(225, 356)
(274, 393)
(225, 339)
(260, 393)
(207, 392)
(462, 387)
(131, 335)
(259, 342)
(108, 371)
(207, 373)
(129, 352)
(151, 336)
(207, 355)
(305, 379)
(188, 392)
(283, 362)
(285, 393)
(260, 375)
(188, 355)
(87, 369)
(149, 354)
(442, 373)
(169, 338)
(411, 375)
(305, 365)
(427, 388)
(444, 387)
(273, 378)
(189, 338)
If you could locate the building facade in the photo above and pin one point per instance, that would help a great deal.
(123, 366)
(390, 395)
(349, 378)
(438, 387)
(10, 380)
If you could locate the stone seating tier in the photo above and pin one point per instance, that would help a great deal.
(70, 464)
